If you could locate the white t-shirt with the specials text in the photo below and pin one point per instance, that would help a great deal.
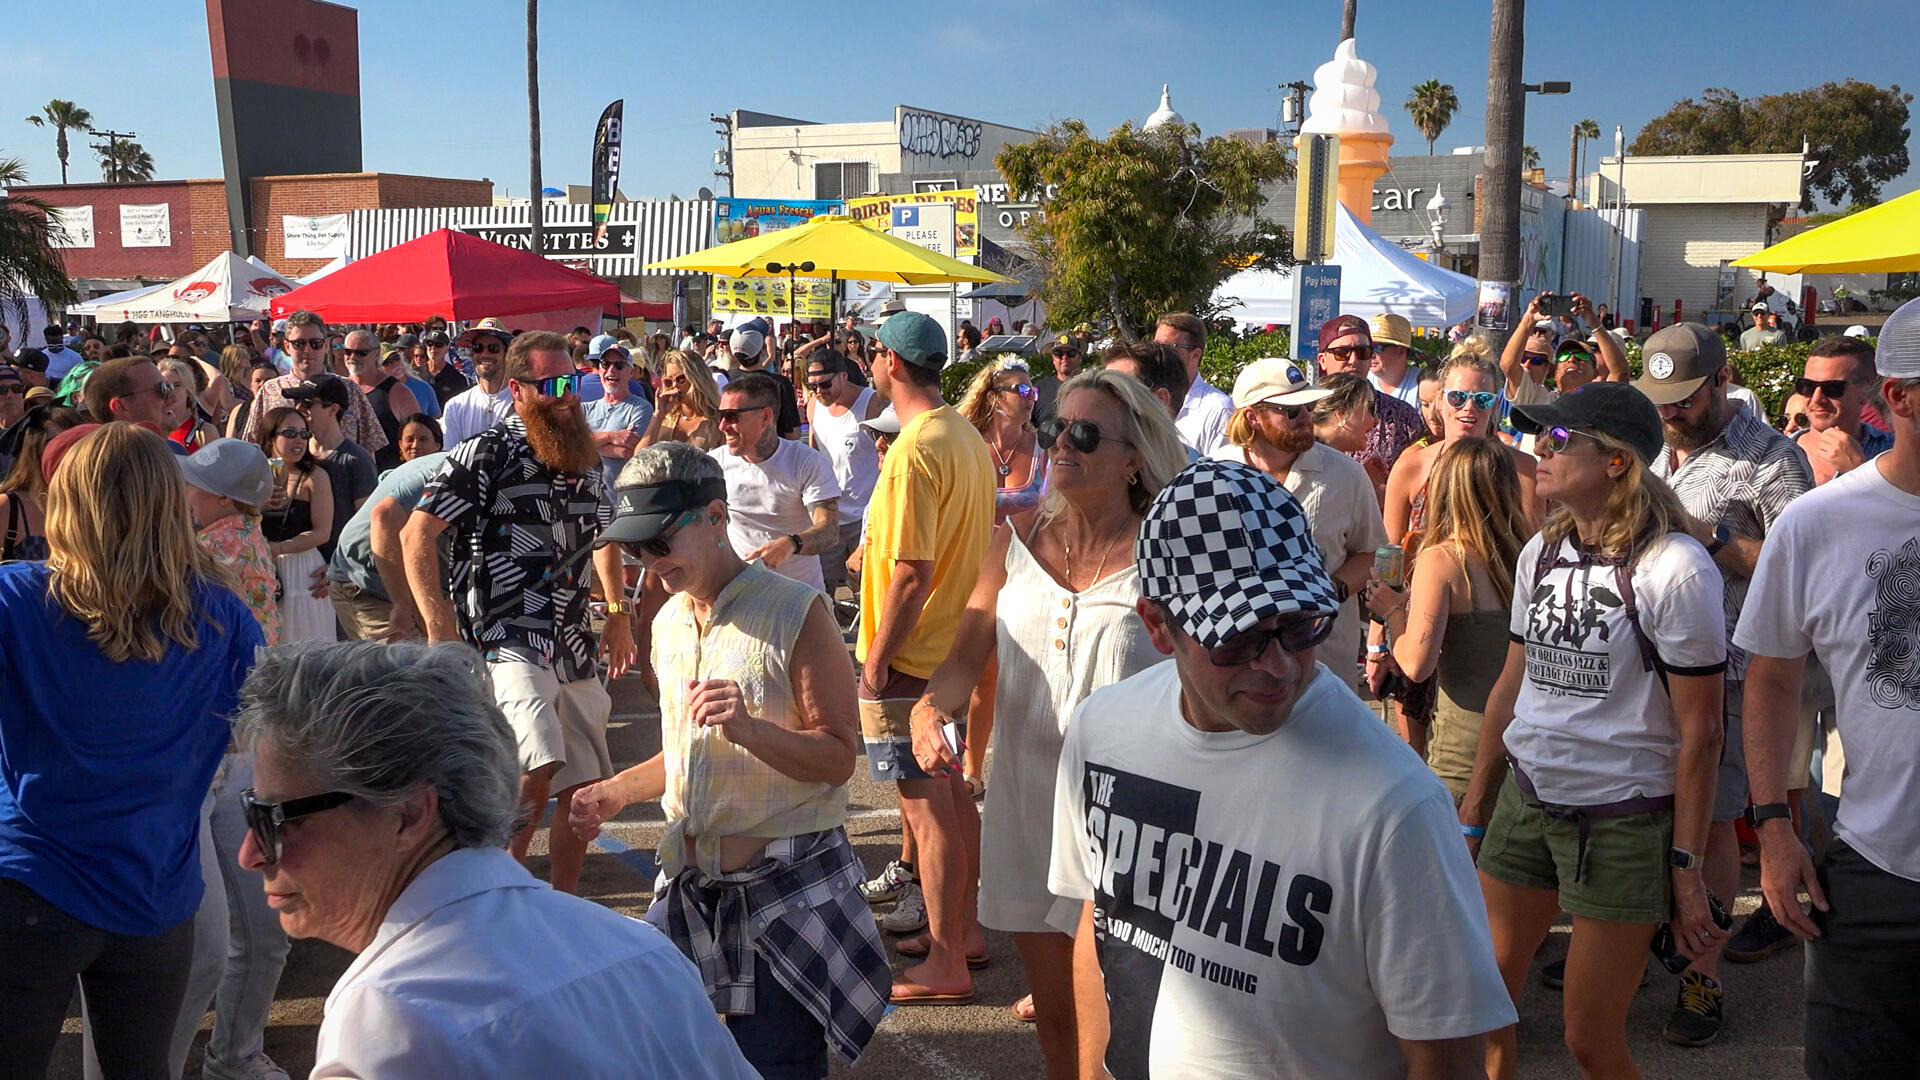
(1254, 918)
(769, 499)
(1840, 575)
(1592, 725)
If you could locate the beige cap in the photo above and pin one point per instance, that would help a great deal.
(1275, 380)
(1391, 329)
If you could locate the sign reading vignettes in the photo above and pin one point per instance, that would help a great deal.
(558, 240)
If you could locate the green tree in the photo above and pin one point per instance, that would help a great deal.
(1432, 105)
(1857, 131)
(29, 263)
(62, 117)
(1585, 131)
(1144, 223)
(124, 162)
(1529, 157)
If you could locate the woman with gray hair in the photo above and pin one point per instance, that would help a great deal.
(758, 738)
(386, 787)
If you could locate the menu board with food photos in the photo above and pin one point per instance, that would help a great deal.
(739, 219)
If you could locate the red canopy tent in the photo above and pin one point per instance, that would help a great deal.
(453, 274)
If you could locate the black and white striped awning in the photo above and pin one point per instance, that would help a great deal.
(638, 233)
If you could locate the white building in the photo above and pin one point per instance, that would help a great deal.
(1701, 214)
(777, 157)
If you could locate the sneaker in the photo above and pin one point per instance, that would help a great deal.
(892, 884)
(1758, 938)
(257, 1067)
(908, 915)
(1696, 1017)
(1554, 976)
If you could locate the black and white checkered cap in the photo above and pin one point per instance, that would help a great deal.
(1224, 547)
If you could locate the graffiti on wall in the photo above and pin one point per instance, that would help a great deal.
(935, 135)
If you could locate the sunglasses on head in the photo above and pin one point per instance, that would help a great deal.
(1082, 435)
(1482, 399)
(264, 819)
(661, 546)
(1291, 412)
(735, 414)
(1025, 390)
(1557, 438)
(1296, 634)
(1806, 387)
(308, 342)
(557, 386)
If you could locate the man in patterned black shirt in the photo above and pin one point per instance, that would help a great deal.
(1735, 476)
(523, 501)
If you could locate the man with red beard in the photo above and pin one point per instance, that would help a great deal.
(523, 501)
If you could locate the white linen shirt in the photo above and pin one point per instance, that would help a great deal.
(473, 411)
(1202, 420)
(481, 970)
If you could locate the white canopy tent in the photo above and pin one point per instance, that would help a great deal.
(228, 289)
(338, 262)
(1376, 276)
(94, 306)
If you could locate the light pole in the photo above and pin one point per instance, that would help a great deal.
(790, 269)
(1437, 208)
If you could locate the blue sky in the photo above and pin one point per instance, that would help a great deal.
(443, 83)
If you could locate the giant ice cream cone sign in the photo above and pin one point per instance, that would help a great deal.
(1344, 103)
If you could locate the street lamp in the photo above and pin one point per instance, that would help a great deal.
(1549, 87)
(790, 269)
(1437, 208)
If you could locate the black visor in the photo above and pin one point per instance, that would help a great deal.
(643, 511)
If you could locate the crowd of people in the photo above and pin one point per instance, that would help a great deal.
(309, 633)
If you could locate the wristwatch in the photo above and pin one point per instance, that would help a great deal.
(795, 537)
(1721, 534)
(1682, 859)
(1766, 812)
(619, 607)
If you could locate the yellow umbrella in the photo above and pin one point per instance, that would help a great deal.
(838, 247)
(1885, 238)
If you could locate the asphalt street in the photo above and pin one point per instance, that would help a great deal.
(982, 1040)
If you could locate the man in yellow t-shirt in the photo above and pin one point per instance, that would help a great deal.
(928, 524)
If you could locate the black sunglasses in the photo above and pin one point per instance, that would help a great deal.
(1354, 352)
(661, 546)
(292, 433)
(1291, 412)
(734, 414)
(357, 352)
(1082, 435)
(265, 818)
(820, 386)
(1833, 388)
(1295, 635)
(490, 349)
(308, 342)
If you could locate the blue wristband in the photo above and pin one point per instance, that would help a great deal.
(1475, 831)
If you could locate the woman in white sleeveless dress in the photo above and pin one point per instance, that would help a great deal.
(1056, 604)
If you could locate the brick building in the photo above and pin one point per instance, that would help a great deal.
(197, 225)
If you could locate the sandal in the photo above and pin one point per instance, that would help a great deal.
(976, 787)
(1023, 1010)
(915, 948)
(906, 993)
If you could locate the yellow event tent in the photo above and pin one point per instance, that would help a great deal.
(838, 247)
(1881, 239)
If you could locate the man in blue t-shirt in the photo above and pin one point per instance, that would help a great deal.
(619, 416)
(367, 581)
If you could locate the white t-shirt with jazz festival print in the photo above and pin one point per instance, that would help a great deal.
(1839, 576)
(1254, 919)
(1592, 724)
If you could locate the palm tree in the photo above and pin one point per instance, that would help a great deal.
(1500, 210)
(1585, 129)
(1347, 13)
(62, 116)
(537, 212)
(1432, 105)
(124, 162)
(1529, 157)
(29, 263)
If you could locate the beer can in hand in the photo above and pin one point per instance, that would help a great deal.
(1389, 565)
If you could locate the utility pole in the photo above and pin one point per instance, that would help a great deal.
(1500, 178)
(537, 212)
(723, 163)
(1573, 167)
(112, 148)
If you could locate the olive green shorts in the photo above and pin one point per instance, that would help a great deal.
(1625, 876)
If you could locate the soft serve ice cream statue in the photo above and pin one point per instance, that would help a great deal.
(1344, 103)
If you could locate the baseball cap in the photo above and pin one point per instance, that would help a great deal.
(1897, 354)
(1856, 330)
(487, 325)
(1678, 359)
(894, 307)
(233, 468)
(1066, 341)
(1223, 547)
(917, 338)
(434, 337)
(1611, 408)
(1391, 329)
(1761, 307)
(406, 341)
(279, 326)
(886, 423)
(1275, 380)
(9, 373)
(1336, 328)
(327, 388)
(643, 511)
(598, 347)
(58, 446)
(747, 342)
(31, 359)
